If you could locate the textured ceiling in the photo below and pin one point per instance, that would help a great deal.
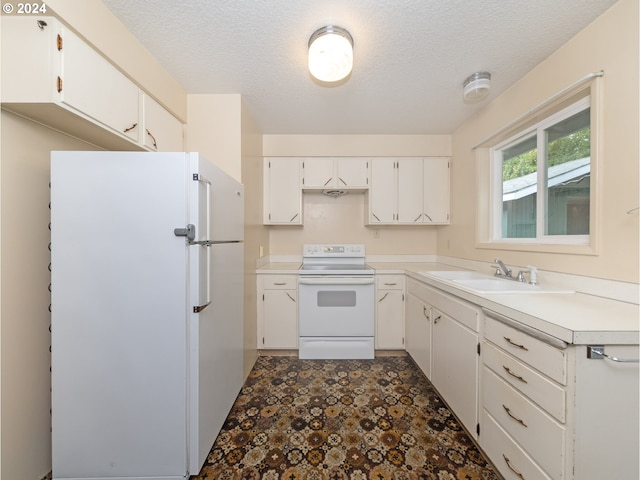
(410, 56)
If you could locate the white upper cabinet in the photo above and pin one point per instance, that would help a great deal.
(30, 60)
(409, 191)
(282, 192)
(346, 173)
(161, 132)
(92, 86)
(382, 198)
(437, 190)
(410, 188)
(57, 79)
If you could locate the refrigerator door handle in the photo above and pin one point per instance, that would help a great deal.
(199, 308)
(189, 231)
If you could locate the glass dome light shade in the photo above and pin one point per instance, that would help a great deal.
(476, 87)
(330, 54)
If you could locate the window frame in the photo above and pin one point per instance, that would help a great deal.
(537, 130)
(590, 90)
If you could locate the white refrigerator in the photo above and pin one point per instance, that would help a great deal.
(147, 312)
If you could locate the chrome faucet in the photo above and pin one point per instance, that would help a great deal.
(503, 271)
(502, 268)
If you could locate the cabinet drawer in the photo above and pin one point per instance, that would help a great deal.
(390, 282)
(280, 282)
(540, 355)
(538, 388)
(536, 432)
(512, 462)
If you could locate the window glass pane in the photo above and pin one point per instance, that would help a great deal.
(519, 189)
(567, 174)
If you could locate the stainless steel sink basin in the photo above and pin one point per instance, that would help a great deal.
(482, 283)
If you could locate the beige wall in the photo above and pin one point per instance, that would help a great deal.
(610, 43)
(256, 235)
(24, 295)
(214, 130)
(329, 220)
(93, 21)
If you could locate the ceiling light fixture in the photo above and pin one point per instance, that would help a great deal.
(330, 53)
(476, 87)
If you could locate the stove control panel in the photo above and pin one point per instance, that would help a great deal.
(333, 250)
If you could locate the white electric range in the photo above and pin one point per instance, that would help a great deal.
(336, 290)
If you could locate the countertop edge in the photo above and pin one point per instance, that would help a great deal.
(492, 302)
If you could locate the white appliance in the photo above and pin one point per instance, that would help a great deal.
(336, 290)
(147, 295)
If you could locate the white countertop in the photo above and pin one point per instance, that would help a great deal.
(575, 318)
(280, 268)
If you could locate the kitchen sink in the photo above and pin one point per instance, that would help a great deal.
(456, 275)
(482, 283)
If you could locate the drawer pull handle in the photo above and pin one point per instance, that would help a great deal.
(280, 283)
(521, 347)
(508, 462)
(390, 283)
(519, 420)
(508, 370)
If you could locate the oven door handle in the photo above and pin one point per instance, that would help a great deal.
(336, 281)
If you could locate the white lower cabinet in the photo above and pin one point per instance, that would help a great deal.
(390, 312)
(278, 312)
(551, 412)
(442, 337)
(524, 392)
(455, 356)
(454, 368)
(508, 457)
(417, 328)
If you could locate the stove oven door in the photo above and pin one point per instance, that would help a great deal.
(336, 306)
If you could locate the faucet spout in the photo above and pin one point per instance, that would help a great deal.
(503, 267)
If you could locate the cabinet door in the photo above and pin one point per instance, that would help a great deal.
(455, 367)
(283, 195)
(30, 59)
(390, 319)
(436, 190)
(95, 88)
(352, 173)
(382, 191)
(418, 333)
(162, 131)
(318, 172)
(410, 187)
(279, 317)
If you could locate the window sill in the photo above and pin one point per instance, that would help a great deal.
(539, 247)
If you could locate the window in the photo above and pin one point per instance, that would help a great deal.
(542, 181)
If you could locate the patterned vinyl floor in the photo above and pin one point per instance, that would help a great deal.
(342, 419)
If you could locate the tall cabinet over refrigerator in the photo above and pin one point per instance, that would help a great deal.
(147, 294)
